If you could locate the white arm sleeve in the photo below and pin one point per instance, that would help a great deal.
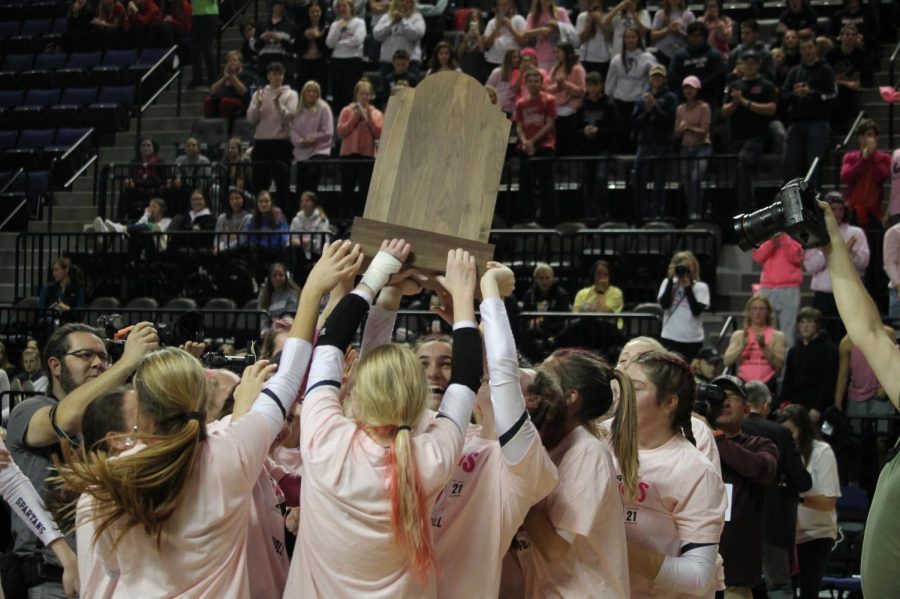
(514, 428)
(378, 330)
(282, 389)
(693, 572)
(25, 503)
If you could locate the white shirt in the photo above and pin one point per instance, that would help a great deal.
(596, 49)
(679, 323)
(822, 467)
(505, 39)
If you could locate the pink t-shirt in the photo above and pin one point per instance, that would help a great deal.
(587, 506)
(545, 44)
(680, 499)
(754, 365)
(489, 497)
(96, 583)
(346, 546)
(202, 551)
(863, 384)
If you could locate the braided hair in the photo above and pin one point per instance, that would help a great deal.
(672, 375)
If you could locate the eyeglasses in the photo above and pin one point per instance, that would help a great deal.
(88, 355)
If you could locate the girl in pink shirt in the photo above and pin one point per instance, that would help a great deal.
(573, 543)
(759, 349)
(542, 25)
(674, 522)
(359, 125)
(171, 515)
(369, 481)
(567, 84)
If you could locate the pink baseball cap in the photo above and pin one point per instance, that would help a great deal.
(692, 81)
(528, 52)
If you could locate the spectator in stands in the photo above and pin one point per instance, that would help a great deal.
(229, 96)
(504, 32)
(864, 172)
(545, 293)
(535, 119)
(249, 53)
(627, 14)
(359, 126)
(628, 80)
(80, 372)
(810, 372)
(567, 85)
(178, 19)
(192, 169)
(848, 61)
(470, 47)
(750, 41)
(311, 47)
(236, 162)
(312, 133)
(145, 24)
(145, 180)
(399, 76)
(346, 36)
(5, 364)
(749, 465)
(683, 297)
(790, 45)
(278, 295)
(807, 95)
(719, 26)
(707, 365)
(111, 23)
(598, 125)
(271, 110)
(543, 28)
(814, 259)
(692, 124)
(594, 31)
(64, 292)
(275, 37)
(527, 62)
(865, 19)
(31, 377)
(798, 16)
(779, 516)
(891, 255)
(758, 349)
(400, 28)
(504, 78)
(204, 24)
(749, 106)
(600, 295)
(80, 15)
(699, 59)
(235, 219)
(442, 59)
(781, 259)
(816, 514)
(654, 121)
(858, 394)
(197, 218)
(309, 219)
(669, 32)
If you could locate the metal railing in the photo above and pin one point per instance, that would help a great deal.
(231, 21)
(74, 162)
(22, 202)
(146, 94)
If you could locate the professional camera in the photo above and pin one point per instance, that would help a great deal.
(682, 270)
(187, 327)
(709, 401)
(235, 364)
(794, 212)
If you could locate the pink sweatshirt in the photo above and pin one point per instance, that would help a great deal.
(569, 93)
(695, 117)
(781, 259)
(895, 184)
(272, 117)
(359, 135)
(316, 123)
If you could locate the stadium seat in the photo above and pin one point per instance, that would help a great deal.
(9, 100)
(7, 140)
(112, 110)
(111, 70)
(243, 130)
(36, 27)
(72, 106)
(30, 115)
(28, 149)
(218, 325)
(60, 26)
(17, 62)
(22, 44)
(62, 143)
(9, 26)
(44, 10)
(212, 134)
(50, 61)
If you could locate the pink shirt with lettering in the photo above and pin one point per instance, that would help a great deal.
(587, 507)
(346, 546)
(680, 500)
(483, 479)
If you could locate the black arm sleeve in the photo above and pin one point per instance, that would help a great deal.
(341, 324)
(696, 307)
(666, 299)
(468, 366)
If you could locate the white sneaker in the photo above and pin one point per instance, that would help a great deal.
(117, 227)
(100, 226)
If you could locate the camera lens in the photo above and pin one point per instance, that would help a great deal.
(755, 228)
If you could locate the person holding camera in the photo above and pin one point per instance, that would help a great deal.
(80, 371)
(229, 96)
(758, 349)
(683, 297)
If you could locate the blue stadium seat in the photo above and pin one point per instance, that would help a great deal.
(11, 99)
(44, 10)
(16, 158)
(9, 27)
(71, 107)
(21, 44)
(84, 60)
(35, 79)
(32, 112)
(60, 26)
(65, 139)
(79, 96)
(67, 136)
(9, 81)
(111, 71)
(7, 140)
(18, 62)
(36, 27)
(11, 11)
(112, 110)
(50, 61)
(120, 58)
(36, 138)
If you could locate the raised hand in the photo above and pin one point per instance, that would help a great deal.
(497, 281)
(386, 263)
(339, 260)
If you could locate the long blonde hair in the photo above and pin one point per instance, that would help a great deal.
(390, 394)
(319, 103)
(146, 488)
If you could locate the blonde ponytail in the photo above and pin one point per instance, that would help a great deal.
(625, 435)
(408, 505)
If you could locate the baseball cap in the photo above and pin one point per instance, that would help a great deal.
(710, 354)
(751, 54)
(658, 69)
(727, 381)
(692, 81)
(528, 52)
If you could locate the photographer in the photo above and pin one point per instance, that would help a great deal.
(683, 297)
(80, 371)
(881, 543)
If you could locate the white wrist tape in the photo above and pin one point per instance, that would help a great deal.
(380, 270)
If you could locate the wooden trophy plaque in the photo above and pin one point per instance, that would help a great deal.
(437, 172)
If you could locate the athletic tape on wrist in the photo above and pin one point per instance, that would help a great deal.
(380, 270)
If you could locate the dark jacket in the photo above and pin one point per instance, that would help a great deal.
(810, 373)
(604, 115)
(816, 105)
(656, 125)
(556, 300)
(779, 518)
(706, 63)
(749, 465)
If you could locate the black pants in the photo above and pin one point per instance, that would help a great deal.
(625, 145)
(354, 173)
(309, 172)
(566, 135)
(269, 152)
(203, 34)
(345, 73)
(812, 557)
(688, 350)
(536, 176)
(596, 67)
(313, 70)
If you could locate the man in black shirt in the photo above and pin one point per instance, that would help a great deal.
(598, 126)
(750, 41)
(750, 107)
(848, 61)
